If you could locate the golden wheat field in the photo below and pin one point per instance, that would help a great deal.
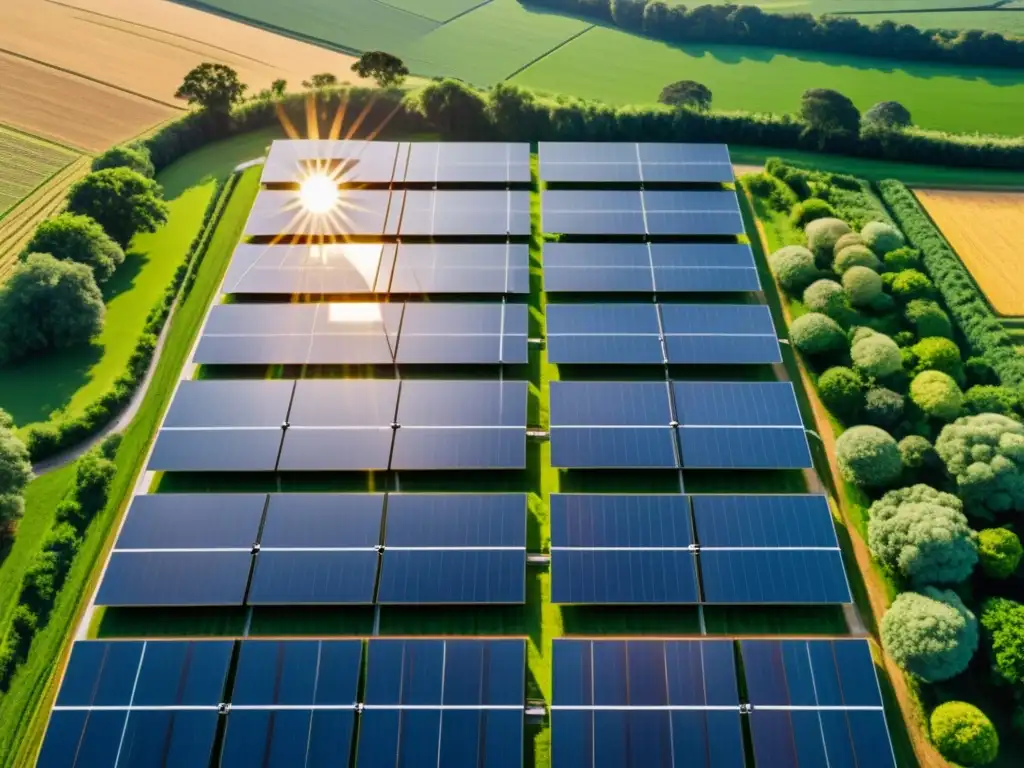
(987, 231)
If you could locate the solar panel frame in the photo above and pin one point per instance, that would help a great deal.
(641, 212)
(466, 162)
(331, 268)
(279, 213)
(169, 578)
(346, 161)
(627, 162)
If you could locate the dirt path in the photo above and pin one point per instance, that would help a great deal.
(927, 755)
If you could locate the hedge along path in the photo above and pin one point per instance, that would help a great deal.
(910, 710)
(986, 229)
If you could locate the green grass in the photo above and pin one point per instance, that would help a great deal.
(71, 380)
(620, 68)
(25, 163)
(23, 709)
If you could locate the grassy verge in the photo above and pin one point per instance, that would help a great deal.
(24, 709)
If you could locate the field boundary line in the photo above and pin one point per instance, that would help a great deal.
(40, 62)
(37, 187)
(547, 53)
(466, 12)
(996, 6)
(52, 142)
(407, 12)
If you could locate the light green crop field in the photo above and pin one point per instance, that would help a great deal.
(620, 68)
(25, 163)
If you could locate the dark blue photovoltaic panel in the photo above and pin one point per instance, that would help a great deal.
(456, 520)
(430, 403)
(703, 267)
(719, 319)
(424, 268)
(603, 333)
(323, 520)
(287, 738)
(593, 212)
(285, 270)
(810, 576)
(82, 739)
(455, 448)
(183, 673)
(297, 672)
(609, 403)
(620, 577)
(277, 212)
(229, 404)
(463, 333)
(342, 449)
(343, 403)
(597, 268)
(685, 163)
(612, 162)
(192, 521)
(637, 673)
(614, 520)
(608, 447)
(808, 673)
(442, 577)
(451, 672)
(736, 403)
(744, 448)
(669, 739)
(221, 450)
(679, 212)
(605, 350)
(791, 739)
(764, 521)
(175, 578)
(450, 213)
(722, 350)
(100, 674)
(330, 577)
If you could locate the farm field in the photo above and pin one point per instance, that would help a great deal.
(985, 229)
(25, 163)
(760, 80)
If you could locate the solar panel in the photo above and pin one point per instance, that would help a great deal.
(719, 334)
(293, 704)
(347, 162)
(463, 334)
(634, 212)
(664, 162)
(645, 702)
(286, 270)
(158, 704)
(480, 268)
(318, 548)
(457, 703)
(703, 267)
(459, 213)
(471, 162)
(815, 702)
(360, 213)
(454, 548)
(625, 334)
(611, 424)
(621, 162)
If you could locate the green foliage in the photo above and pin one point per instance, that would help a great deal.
(793, 266)
(123, 201)
(855, 256)
(876, 356)
(882, 238)
(822, 236)
(850, 238)
(215, 88)
(842, 392)
(15, 473)
(868, 457)
(883, 407)
(986, 398)
(962, 734)
(135, 157)
(686, 93)
(1003, 622)
(922, 534)
(386, 69)
(901, 259)
(911, 284)
(829, 112)
(828, 298)
(917, 454)
(936, 353)
(930, 634)
(888, 115)
(862, 285)
(817, 334)
(48, 305)
(984, 454)
(978, 371)
(937, 395)
(1000, 552)
(68, 237)
(810, 210)
(929, 319)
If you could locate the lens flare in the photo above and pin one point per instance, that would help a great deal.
(318, 194)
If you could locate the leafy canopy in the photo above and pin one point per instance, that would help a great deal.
(888, 114)
(386, 69)
(868, 457)
(123, 201)
(984, 455)
(70, 237)
(215, 88)
(1003, 622)
(829, 112)
(999, 551)
(15, 472)
(930, 634)
(686, 93)
(963, 734)
(136, 158)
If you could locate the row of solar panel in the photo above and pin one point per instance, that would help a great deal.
(409, 333)
(342, 424)
(709, 425)
(629, 549)
(640, 212)
(305, 549)
(397, 163)
(133, 704)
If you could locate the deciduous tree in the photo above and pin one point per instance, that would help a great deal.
(215, 88)
(385, 68)
(121, 200)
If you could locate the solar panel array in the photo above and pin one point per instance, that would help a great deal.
(629, 163)
(648, 549)
(138, 704)
(318, 549)
(641, 212)
(677, 703)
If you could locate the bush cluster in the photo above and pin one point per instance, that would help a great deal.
(963, 734)
(15, 474)
(868, 457)
(807, 211)
(882, 237)
(855, 256)
(828, 298)
(793, 266)
(875, 355)
(817, 334)
(937, 395)
(929, 319)
(999, 552)
(822, 236)
(842, 392)
(930, 634)
(1003, 622)
(984, 454)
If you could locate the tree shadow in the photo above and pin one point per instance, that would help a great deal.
(123, 280)
(33, 389)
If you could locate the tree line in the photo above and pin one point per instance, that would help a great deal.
(750, 25)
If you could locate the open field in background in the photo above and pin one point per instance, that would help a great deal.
(986, 229)
(26, 163)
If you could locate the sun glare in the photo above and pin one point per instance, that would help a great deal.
(318, 194)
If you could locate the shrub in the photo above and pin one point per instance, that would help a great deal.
(15, 472)
(962, 734)
(23, 626)
(911, 284)
(793, 266)
(135, 157)
(936, 353)
(935, 393)
(828, 298)
(922, 534)
(991, 399)
(984, 454)
(842, 392)
(1003, 622)
(817, 334)
(850, 238)
(1000, 552)
(868, 457)
(123, 201)
(917, 453)
(882, 238)
(904, 338)
(930, 634)
(929, 319)
(70, 511)
(822, 235)
(93, 475)
(888, 115)
(80, 239)
(760, 184)
(978, 371)
(883, 407)
(855, 256)
(810, 210)
(862, 286)
(876, 356)
(63, 541)
(901, 259)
